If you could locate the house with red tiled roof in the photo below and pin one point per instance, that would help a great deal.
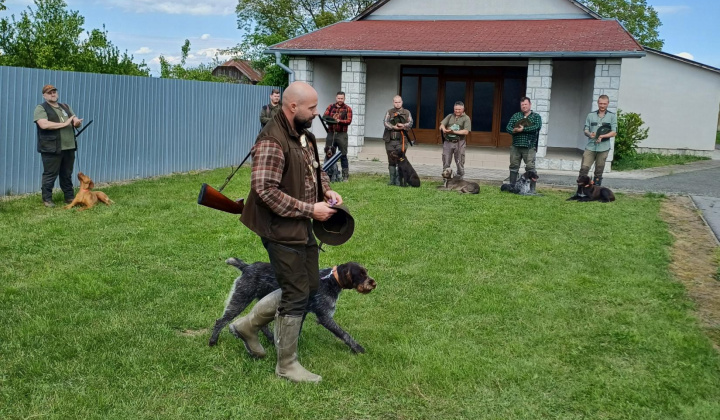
(490, 53)
(239, 70)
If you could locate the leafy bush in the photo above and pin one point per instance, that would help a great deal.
(630, 133)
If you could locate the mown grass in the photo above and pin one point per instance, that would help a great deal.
(653, 160)
(493, 306)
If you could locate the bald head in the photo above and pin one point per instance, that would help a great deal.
(300, 104)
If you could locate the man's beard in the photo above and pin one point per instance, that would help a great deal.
(302, 124)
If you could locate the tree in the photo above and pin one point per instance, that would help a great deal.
(48, 37)
(202, 72)
(268, 22)
(640, 19)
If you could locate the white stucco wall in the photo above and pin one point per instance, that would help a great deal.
(475, 9)
(677, 101)
(571, 88)
(327, 84)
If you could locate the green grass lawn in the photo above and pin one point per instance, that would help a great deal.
(653, 160)
(493, 306)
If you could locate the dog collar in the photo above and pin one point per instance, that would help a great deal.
(335, 275)
(84, 189)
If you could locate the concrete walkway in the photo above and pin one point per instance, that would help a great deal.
(699, 180)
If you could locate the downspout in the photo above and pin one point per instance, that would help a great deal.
(291, 74)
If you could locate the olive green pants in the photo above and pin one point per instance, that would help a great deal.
(526, 154)
(590, 157)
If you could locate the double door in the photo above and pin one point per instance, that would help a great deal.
(490, 95)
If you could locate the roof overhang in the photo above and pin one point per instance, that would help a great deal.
(459, 55)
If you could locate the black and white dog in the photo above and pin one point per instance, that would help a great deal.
(258, 280)
(522, 185)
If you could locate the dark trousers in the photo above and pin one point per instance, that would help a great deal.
(296, 270)
(57, 165)
(339, 140)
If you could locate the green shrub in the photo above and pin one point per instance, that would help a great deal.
(630, 133)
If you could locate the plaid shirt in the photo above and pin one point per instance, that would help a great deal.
(527, 137)
(267, 171)
(341, 113)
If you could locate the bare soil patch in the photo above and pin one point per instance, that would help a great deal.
(694, 261)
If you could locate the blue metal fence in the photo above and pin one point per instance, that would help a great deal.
(142, 127)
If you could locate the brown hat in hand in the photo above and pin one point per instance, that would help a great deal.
(48, 88)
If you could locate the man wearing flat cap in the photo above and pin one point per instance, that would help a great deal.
(56, 144)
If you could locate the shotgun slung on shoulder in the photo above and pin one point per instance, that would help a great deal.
(210, 197)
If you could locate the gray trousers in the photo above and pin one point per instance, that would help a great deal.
(339, 140)
(598, 158)
(55, 166)
(526, 154)
(454, 150)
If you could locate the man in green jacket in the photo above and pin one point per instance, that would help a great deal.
(268, 111)
(524, 126)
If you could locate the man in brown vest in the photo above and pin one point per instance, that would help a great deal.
(288, 190)
(397, 121)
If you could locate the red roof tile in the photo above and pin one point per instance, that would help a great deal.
(468, 37)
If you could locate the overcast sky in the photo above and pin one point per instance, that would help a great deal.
(149, 28)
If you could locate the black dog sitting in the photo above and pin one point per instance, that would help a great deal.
(522, 185)
(333, 172)
(587, 191)
(258, 280)
(406, 172)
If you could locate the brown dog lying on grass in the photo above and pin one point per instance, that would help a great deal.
(86, 196)
(592, 192)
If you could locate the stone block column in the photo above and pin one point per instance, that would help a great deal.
(539, 89)
(607, 82)
(302, 68)
(353, 82)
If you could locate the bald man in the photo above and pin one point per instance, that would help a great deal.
(288, 190)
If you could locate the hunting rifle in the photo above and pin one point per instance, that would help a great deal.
(210, 197)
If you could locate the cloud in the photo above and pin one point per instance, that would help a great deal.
(177, 7)
(205, 36)
(686, 55)
(209, 52)
(671, 10)
(143, 50)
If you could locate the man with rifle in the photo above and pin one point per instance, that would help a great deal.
(397, 121)
(288, 190)
(338, 131)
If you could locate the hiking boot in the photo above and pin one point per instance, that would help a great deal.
(48, 204)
